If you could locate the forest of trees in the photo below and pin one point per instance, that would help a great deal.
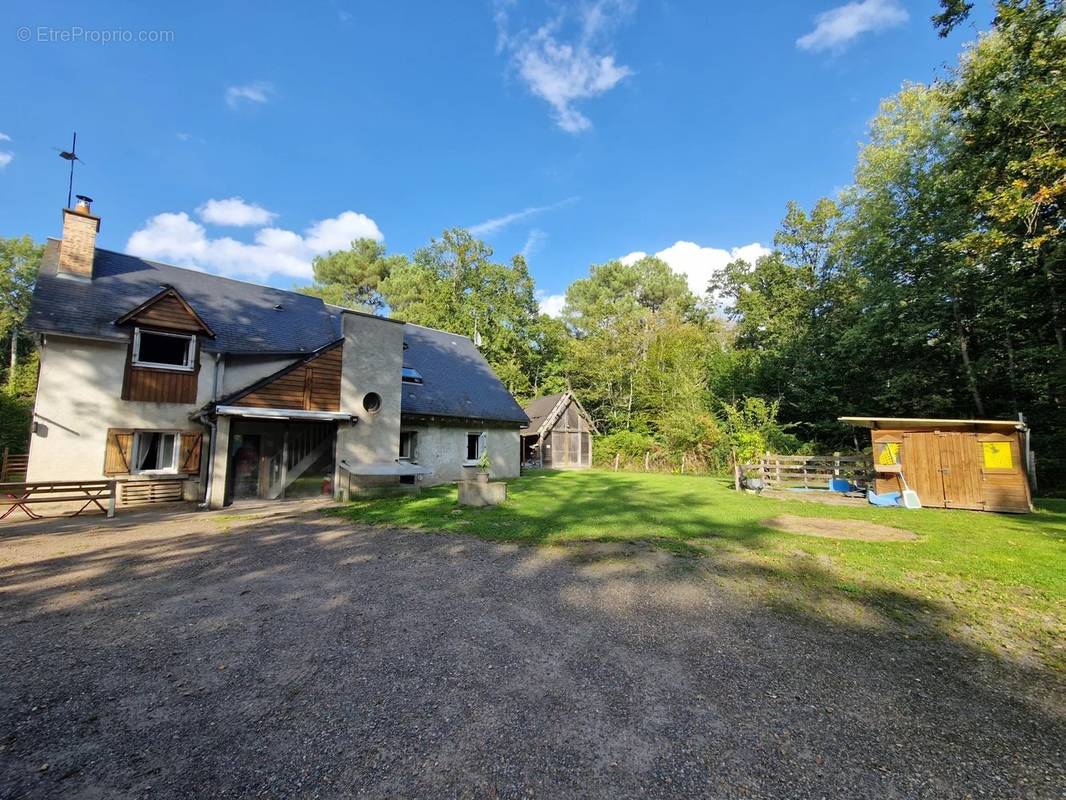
(932, 286)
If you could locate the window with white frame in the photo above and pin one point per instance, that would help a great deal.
(156, 452)
(475, 446)
(408, 445)
(163, 350)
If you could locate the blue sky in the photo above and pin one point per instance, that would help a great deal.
(575, 132)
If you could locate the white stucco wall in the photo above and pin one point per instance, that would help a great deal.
(443, 449)
(371, 362)
(79, 396)
(241, 371)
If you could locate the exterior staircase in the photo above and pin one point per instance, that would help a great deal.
(305, 446)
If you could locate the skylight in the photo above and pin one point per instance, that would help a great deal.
(410, 375)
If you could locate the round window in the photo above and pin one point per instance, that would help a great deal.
(372, 402)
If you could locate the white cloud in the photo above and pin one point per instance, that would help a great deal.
(175, 236)
(566, 70)
(550, 304)
(836, 28)
(4, 137)
(534, 240)
(6, 158)
(495, 224)
(255, 92)
(699, 264)
(234, 211)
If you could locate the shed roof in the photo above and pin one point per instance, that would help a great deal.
(544, 411)
(539, 409)
(880, 423)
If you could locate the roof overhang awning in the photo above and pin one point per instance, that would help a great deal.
(878, 423)
(250, 412)
(384, 468)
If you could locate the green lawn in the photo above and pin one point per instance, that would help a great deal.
(991, 581)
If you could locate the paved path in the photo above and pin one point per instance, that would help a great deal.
(218, 655)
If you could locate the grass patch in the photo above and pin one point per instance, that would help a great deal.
(995, 580)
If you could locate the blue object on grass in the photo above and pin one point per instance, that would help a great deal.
(839, 485)
(886, 499)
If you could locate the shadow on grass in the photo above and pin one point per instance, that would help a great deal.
(293, 596)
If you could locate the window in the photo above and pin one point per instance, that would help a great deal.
(410, 375)
(888, 454)
(155, 451)
(163, 350)
(408, 445)
(474, 442)
(372, 402)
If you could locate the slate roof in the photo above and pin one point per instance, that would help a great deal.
(242, 315)
(538, 410)
(458, 380)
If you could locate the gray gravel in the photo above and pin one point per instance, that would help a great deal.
(199, 655)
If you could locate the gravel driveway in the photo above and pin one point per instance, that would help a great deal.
(208, 655)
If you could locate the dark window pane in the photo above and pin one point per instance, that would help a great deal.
(157, 349)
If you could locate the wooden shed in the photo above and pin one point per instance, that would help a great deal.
(952, 463)
(559, 434)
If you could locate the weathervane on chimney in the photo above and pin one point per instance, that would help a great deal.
(70, 155)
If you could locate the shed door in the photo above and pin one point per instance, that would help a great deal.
(920, 457)
(961, 470)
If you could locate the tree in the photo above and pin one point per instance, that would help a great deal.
(453, 284)
(352, 278)
(953, 12)
(19, 261)
(614, 315)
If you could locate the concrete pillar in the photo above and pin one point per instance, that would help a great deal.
(219, 463)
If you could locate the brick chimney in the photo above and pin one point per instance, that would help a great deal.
(79, 239)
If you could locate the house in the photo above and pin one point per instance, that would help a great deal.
(559, 433)
(182, 384)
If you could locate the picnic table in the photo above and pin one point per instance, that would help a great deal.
(24, 495)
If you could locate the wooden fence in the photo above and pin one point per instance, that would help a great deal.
(13, 466)
(812, 471)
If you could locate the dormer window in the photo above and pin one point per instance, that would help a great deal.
(410, 375)
(158, 350)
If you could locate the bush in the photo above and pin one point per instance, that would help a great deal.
(629, 446)
(16, 414)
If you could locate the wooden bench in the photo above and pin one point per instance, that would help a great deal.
(23, 495)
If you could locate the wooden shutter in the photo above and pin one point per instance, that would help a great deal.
(191, 444)
(118, 455)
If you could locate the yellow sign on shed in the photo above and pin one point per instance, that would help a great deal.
(997, 455)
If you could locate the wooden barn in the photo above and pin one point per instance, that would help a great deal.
(559, 434)
(981, 464)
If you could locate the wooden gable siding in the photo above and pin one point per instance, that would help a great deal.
(168, 313)
(314, 385)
